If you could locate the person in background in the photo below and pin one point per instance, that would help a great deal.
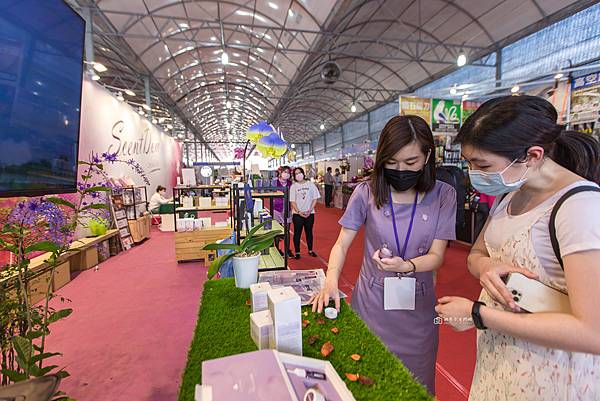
(158, 199)
(283, 181)
(329, 184)
(409, 217)
(303, 198)
(517, 152)
(337, 177)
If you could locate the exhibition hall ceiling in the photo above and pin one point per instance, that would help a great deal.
(279, 52)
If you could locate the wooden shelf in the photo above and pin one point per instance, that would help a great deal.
(276, 226)
(272, 261)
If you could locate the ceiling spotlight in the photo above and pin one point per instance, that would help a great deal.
(273, 5)
(129, 92)
(169, 126)
(228, 104)
(154, 121)
(100, 67)
(120, 96)
(559, 75)
(353, 108)
(461, 60)
(453, 91)
(290, 12)
(146, 107)
(224, 58)
(94, 76)
(293, 145)
(515, 89)
(141, 112)
(322, 127)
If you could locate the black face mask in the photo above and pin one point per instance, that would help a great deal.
(402, 180)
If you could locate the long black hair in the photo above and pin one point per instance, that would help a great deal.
(399, 132)
(508, 126)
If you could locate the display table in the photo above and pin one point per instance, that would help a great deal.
(223, 329)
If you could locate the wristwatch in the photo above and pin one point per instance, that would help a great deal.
(477, 320)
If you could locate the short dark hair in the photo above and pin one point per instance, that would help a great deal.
(397, 133)
(508, 126)
(328, 169)
(160, 188)
(301, 170)
(281, 169)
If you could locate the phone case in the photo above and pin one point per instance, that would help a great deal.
(534, 296)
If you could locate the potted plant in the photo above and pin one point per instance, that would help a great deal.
(98, 226)
(245, 256)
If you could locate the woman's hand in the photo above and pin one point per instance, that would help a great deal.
(456, 312)
(321, 300)
(395, 264)
(490, 278)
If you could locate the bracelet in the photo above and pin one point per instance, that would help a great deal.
(414, 267)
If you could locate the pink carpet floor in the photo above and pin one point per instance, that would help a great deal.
(133, 319)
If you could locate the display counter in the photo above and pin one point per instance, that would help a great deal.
(223, 329)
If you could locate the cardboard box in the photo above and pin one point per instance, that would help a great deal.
(261, 326)
(85, 259)
(62, 275)
(258, 293)
(284, 305)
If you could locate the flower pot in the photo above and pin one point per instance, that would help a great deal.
(245, 270)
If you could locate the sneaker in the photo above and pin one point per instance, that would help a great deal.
(297, 255)
(311, 253)
(290, 254)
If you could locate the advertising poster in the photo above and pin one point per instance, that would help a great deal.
(468, 107)
(416, 106)
(445, 115)
(585, 104)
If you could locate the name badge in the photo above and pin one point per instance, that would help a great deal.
(399, 293)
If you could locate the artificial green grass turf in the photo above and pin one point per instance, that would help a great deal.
(223, 329)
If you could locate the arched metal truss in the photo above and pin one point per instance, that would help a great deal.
(277, 49)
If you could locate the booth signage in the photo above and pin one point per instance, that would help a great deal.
(416, 106)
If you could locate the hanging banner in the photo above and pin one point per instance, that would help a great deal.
(468, 107)
(446, 115)
(416, 106)
(585, 108)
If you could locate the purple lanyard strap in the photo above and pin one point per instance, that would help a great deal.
(410, 226)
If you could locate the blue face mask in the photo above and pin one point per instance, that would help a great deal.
(493, 183)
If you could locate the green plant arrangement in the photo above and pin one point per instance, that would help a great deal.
(251, 246)
(98, 226)
(43, 225)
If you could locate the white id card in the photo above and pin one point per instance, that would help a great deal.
(399, 293)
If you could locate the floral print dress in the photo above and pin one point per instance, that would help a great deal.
(509, 368)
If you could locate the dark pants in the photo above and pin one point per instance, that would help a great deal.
(328, 195)
(305, 223)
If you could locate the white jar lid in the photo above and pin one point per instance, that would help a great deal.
(331, 313)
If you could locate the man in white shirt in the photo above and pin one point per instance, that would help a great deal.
(158, 199)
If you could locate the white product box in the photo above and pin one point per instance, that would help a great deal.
(187, 202)
(258, 292)
(261, 325)
(284, 305)
(185, 224)
(258, 207)
(204, 201)
(222, 201)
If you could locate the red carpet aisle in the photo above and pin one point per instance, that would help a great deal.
(133, 320)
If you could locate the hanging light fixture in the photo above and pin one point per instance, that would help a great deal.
(129, 92)
(353, 108)
(453, 90)
(228, 104)
(322, 126)
(93, 75)
(141, 111)
(515, 89)
(120, 97)
(559, 75)
(100, 67)
(146, 107)
(461, 60)
(224, 58)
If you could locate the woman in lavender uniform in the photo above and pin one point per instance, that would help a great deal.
(404, 169)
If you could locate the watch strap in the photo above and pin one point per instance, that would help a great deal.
(476, 315)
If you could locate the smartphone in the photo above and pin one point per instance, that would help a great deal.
(534, 296)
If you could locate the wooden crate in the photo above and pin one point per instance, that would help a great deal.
(86, 259)
(62, 275)
(38, 287)
(188, 245)
(140, 228)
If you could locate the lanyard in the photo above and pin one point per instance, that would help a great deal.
(410, 226)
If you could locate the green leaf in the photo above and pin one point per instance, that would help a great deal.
(61, 314)
(60, 201)
(270, 236)
(261, 246)
(95, 206)
(9, 247)
(32, 335)
(62, 374)
(252, 232)
(13, 375)
(48, 369)
(45, 355)
(23, 348)
(100, 166)
(216, 264)
(42, 246)
(84, 162)
(215, 247)
(97, 189)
